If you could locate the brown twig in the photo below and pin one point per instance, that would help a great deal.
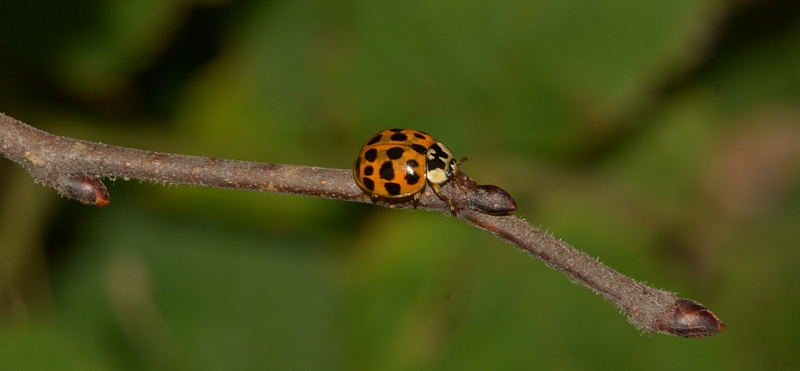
(74, 168)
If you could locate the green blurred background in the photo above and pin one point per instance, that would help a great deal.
(661, 136)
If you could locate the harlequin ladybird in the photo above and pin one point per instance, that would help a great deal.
(396, 163)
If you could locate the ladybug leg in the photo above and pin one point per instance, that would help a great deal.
(438, 192)
(455, 183)
(458, 171)
(374, 198)
(415, 201)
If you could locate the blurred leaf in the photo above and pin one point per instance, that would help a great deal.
(187, 296)
(50, 347)
(124, 40)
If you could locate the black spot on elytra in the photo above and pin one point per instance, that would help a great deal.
(419, 148)
(412, 163)
(394, 153)
(412, 178)
(396, 130)
(386, 172)
(420, 135)
(399, 137)
(374, 140)
(371, 154)
(369, 184)
(392, 188)
(369, 170)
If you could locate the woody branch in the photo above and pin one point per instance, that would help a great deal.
(75, 169)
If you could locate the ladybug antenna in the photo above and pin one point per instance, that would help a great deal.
(458, 165)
